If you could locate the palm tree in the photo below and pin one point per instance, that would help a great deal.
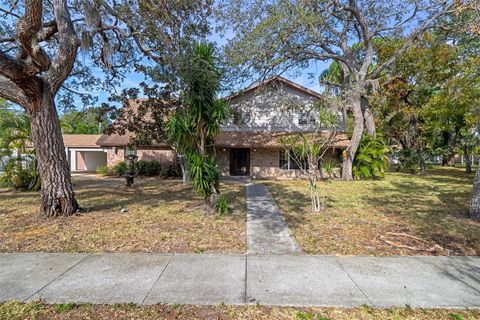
(193, 128)
(17, 159)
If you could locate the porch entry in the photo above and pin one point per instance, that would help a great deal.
(240, 162)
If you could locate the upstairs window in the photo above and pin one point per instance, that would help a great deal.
(237, 118)
(306, 118)
(303, 118)
(240, 118)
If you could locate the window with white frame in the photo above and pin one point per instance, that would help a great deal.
(287, 161)
(240, 118)
(237, 118)
(306, 118)
(303, 118)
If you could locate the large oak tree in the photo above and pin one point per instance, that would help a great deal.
(39, 47)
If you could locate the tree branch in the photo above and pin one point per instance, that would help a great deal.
(10, 91)
(7, 12)
(411, 39)
(68, 46)
(27, 28)
(15, 70)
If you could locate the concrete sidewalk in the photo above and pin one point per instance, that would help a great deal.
(294, 280)
(267, 230)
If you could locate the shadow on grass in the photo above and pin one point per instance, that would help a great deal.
(432, 206)
(149, 194)
(96, 195)
(294, 201)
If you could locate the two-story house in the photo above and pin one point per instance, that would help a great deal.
(248, 145)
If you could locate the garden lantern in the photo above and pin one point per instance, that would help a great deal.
(130, 175)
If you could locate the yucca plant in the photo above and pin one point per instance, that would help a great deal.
(203, 171)
(329, 166)
(371, 160)
(192, 129)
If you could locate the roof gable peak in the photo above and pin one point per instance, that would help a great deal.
(270, 81)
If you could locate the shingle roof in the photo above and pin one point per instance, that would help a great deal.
(265, 139)
(80, 140)
(279, 79)
(116, 140)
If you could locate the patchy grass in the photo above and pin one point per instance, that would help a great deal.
(374, 217)
(161, 216)
(38, 310)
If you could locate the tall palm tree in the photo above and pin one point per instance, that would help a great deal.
(193, 128)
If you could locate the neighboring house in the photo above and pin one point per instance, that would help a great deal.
(117, 148)
(5, 159)
(83, 153)
(247, 145)
(86, 152)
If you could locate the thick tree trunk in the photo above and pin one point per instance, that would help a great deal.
(475, 201)
(368, 118)
(449, 160)
(468, 160)
(57, 196)
(352, 147)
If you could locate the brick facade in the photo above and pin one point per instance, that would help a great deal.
(116, 155)
(164, 156)
(264, 163)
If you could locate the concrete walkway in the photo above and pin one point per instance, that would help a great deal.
(296, 280)
(267, 231)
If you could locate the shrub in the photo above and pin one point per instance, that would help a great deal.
(371, 160)
(408, 160)
(142, 168)
(148, 167)
(104, 170)
(171, 170)
(203, 171)
(22, 174)
(329, 166)
(120, 169)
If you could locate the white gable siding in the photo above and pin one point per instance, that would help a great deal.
(272, 108)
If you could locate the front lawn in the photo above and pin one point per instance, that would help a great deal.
(402, 215)
(161, 216)
(38, 310)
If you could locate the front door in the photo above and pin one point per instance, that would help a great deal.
(239, 162)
